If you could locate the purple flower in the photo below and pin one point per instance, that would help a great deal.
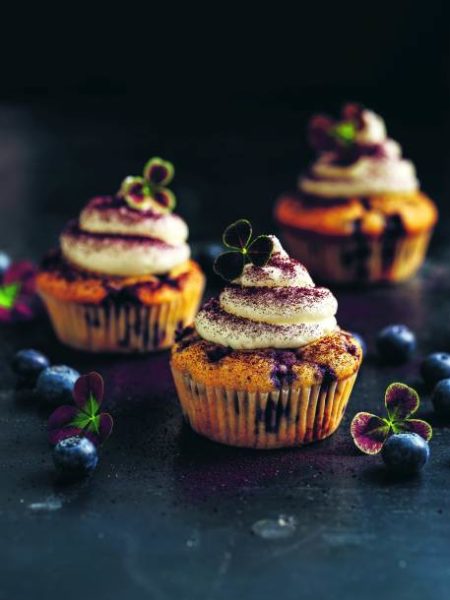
(84, 418)
(18, 299)
(370, 432)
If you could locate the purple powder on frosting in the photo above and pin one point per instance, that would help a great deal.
(74, 231)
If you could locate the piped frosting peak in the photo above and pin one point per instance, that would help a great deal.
(130, 234)
(275, 305)
(355, 157)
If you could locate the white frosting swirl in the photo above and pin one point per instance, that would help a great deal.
(122, 220)
(113, 239)
(382, 172)
(276, 306)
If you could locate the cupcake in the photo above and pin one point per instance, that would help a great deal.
(122, 280)
(358, 215)
(265, 364)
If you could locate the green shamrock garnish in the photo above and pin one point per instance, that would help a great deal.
(85, 417)
(344, 132)
(238, 238)
(150, 191)
(370, 432)
(8, 295)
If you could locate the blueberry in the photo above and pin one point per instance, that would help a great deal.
(396, 344)
(55, 384)
(361, 341)
(27, 364)
(5, 262)
(75, 456)
(441, 398)
(405, 453)
(435, 367)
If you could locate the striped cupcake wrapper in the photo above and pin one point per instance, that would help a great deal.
(291, 416)
(370, 260)
(124, 327)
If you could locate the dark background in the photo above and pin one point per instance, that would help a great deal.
(225, 93)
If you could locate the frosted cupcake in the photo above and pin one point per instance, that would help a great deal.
(122, 280)
(359, 215)
(265, 364)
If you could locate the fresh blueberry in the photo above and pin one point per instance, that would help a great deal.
(405, 453)
(55, 384)
(75, 456)
(27, 364)
(396, 344)
(361, 341)
(435, 367)
(441, 398)
(5, 262)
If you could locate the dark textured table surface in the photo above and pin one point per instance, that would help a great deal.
(168, 514)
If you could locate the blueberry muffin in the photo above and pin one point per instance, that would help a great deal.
(265, 364)
(122, 279)
(358, 215)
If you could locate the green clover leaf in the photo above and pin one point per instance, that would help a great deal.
(369, 432)
(150, 191)
(8, 294)
(242, 250)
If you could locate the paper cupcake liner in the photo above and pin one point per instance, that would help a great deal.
(363, 260)
(123, 327)
(292, 416)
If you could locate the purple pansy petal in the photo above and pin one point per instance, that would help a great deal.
(401, 401)
(238, 234)
(418, 426)
(105, 427)
(87, 385)
(61, 417)
(159, 172)
(165, 199)
(369, 432)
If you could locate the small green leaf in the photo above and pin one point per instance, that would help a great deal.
(8, 294)
(260, 250)
(159, 172)
(132, 186)
(164, 198)
(237, 235)
(401, 401)
(229, 265)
